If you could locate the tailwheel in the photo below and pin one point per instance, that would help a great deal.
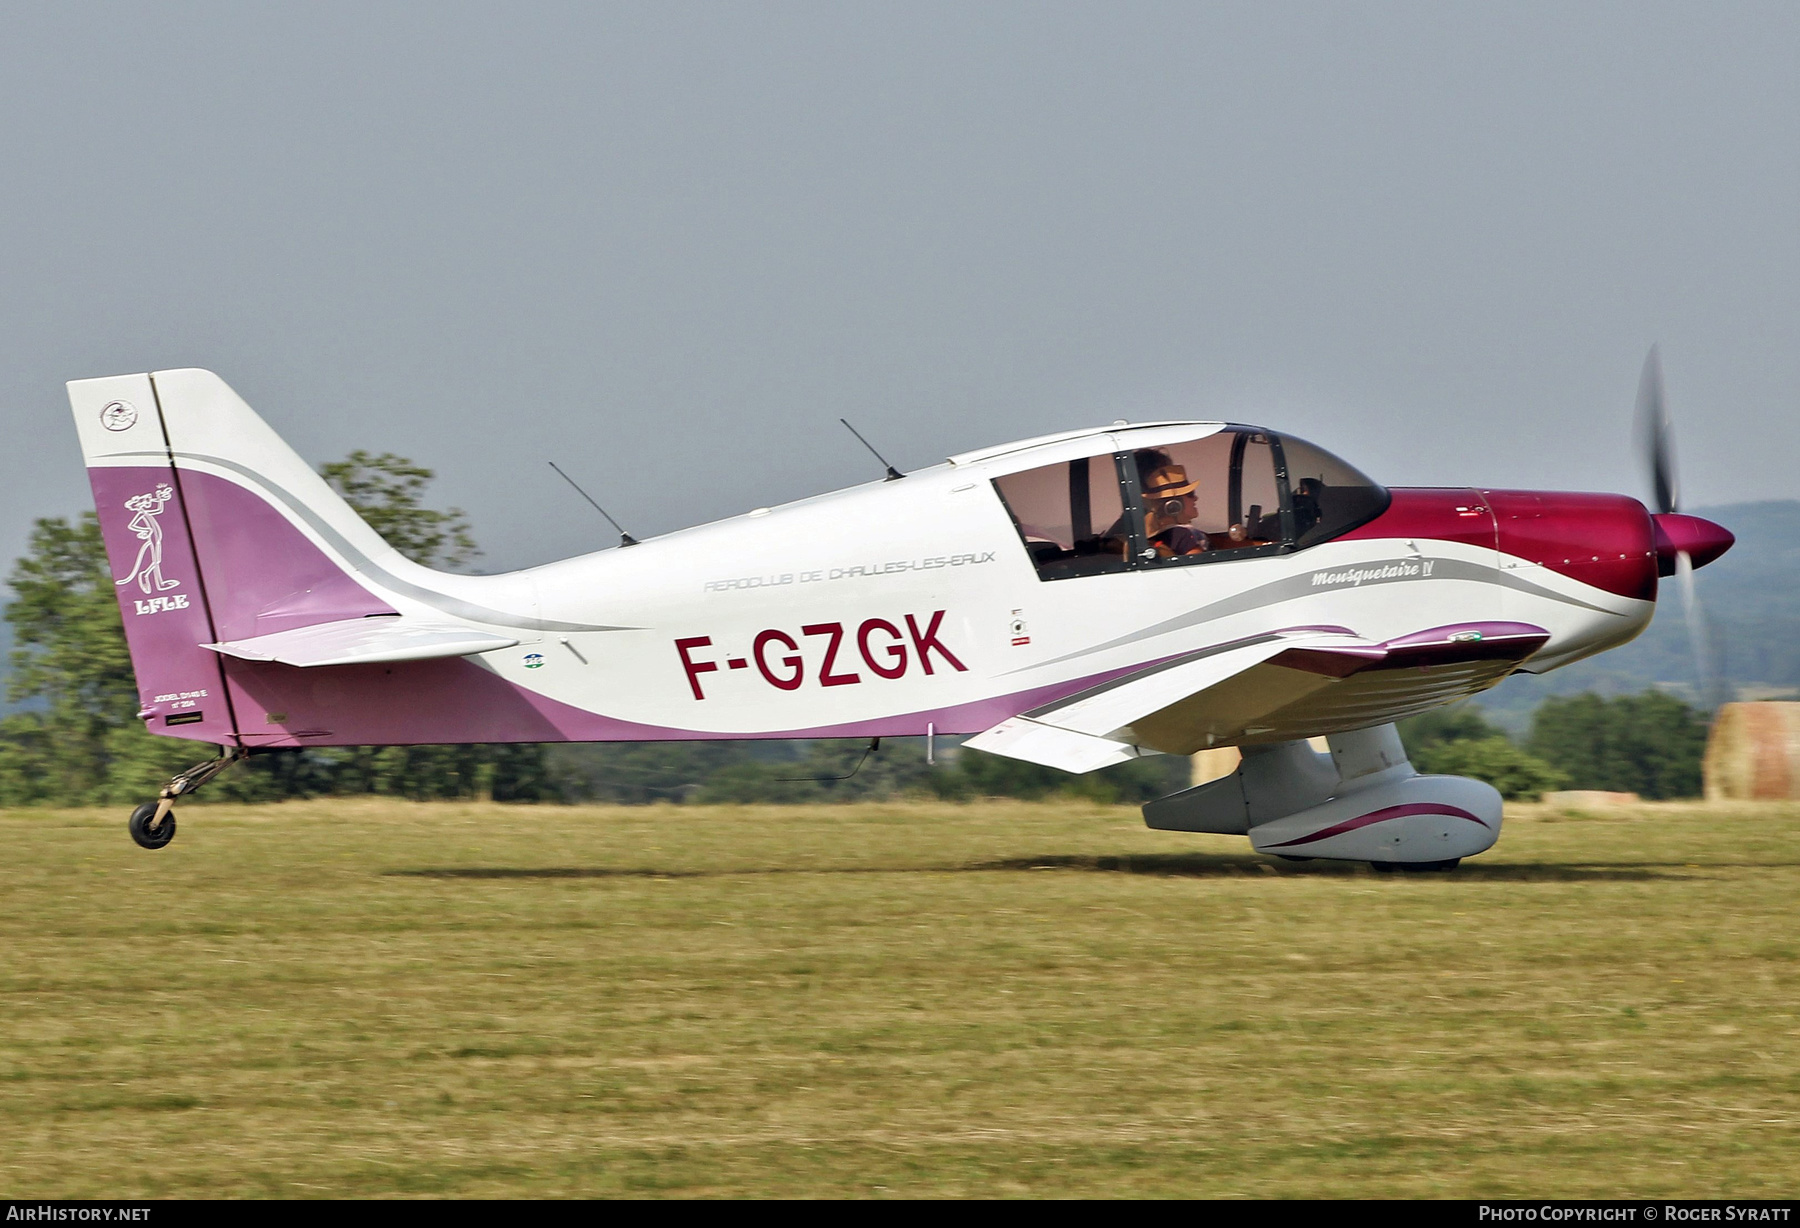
(152, 825)
(148, 829)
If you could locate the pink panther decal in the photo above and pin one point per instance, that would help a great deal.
(147, 569)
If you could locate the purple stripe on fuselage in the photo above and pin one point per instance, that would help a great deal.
(455, 700)
(1379, 816)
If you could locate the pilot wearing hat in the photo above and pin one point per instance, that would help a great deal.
(1169, 507)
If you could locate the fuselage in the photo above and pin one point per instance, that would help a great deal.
(926, 605)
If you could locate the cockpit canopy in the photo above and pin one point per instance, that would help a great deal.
(1233, 492)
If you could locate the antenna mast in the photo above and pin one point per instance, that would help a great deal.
(625, 539)
(893, 474)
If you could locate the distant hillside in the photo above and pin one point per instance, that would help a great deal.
(1749, 600)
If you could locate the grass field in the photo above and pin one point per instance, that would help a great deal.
(374, 998)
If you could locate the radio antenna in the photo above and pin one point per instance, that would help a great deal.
(893, 474)
(873, 746)
(625, 539)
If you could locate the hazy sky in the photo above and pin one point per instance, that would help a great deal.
(668, 245)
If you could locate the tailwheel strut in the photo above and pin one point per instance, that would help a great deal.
(152, 824)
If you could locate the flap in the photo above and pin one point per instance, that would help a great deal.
(1023, 738)
(363, 641)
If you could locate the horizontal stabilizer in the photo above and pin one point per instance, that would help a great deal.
(362, 641)
(1023, 738)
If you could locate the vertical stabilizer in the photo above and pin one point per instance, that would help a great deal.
(220, 535)
(279, 547)
(144, 522)
(216, 531)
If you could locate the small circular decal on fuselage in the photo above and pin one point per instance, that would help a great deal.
(534, 660)
(118, 416)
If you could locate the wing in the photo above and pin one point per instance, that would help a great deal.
(362, 641)
(1289, 684)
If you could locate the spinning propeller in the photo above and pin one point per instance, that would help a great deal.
(1682, 542)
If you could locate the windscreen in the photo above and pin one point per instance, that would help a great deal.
(1329, 496)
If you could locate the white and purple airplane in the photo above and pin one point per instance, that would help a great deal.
(1076, 600)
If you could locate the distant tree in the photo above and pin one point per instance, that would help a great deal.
(386, 491)
(979, 774)
(747, 782)
(69, 644)
(821, 771)
(790, 773)
(1135, 781)
(1650, 744)
(490, 772)
(1457, 723)
(636, 773)
(1459, 741)
(1516, 773)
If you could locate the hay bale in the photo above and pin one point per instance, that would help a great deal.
(1223, 760)
(1753, 753)
(1210, 765)
(1587, 799)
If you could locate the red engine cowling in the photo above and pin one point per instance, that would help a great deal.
(1608, 541)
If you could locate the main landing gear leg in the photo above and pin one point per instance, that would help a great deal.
(152, 825)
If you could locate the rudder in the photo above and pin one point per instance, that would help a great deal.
(155, 570)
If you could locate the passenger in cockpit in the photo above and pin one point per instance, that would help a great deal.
(1170, 505)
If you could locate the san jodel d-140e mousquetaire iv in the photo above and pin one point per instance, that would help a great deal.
(1075, 600)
